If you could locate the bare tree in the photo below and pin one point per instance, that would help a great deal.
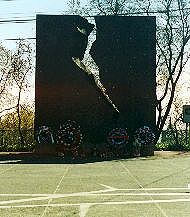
(16, 68)
(6, 81)
(101, 7)
(4, 71)
(173, 36)
(21, 66)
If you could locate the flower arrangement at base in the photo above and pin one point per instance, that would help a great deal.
(117, 140)
(69, 138)
(117, 137)
(44, 135)
(143, 137)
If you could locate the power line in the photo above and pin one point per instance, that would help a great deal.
(17, 17)
(21, 21)
(17, 39)
(122, 14)
(17, 21)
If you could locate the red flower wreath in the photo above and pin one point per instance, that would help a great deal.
(69, 137)
(117, 137)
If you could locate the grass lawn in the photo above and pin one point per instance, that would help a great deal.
(142, 187)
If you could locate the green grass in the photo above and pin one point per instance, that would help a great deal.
(31, 190)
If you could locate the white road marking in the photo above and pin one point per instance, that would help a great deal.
(24, 200)
(57, 188)
(109, 191)
(84, 207)
(140, 185)
(109, 187)
(58, 196)
(99, 203)
(141, 194)
(152, 189)
(97, 191)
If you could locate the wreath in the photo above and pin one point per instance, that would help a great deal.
(44, 135)
(117, 137)
(144, 135)
(69, 136)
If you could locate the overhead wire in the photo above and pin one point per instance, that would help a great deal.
(122, 14)
(15, 39)
(24, 21)
(17, 21)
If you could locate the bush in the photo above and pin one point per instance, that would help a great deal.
(10, 140)
(169, 143)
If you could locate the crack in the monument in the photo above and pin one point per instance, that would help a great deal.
(93, 73)
(97, 81)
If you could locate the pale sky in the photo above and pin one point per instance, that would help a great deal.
(25, 9)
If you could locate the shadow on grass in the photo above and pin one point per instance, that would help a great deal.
(32, 158)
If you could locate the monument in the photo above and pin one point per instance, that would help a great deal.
(124, 94)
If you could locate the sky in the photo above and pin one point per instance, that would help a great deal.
(25, 9)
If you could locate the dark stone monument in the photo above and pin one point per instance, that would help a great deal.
(125, 53)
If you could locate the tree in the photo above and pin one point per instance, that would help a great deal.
(16, 68)
(6, 81)
(21, 66)
(101, 7)
(10, 133)
(173, 36)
